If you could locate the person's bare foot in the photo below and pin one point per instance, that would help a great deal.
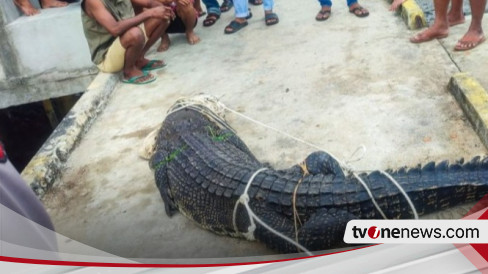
(429, 34)
(455, 18)
(192, 38)
(26, 7)
(165, 43)
(52, 4)
(470, 40)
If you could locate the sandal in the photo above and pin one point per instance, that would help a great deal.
(153, 65)
(256, 2)
(226, 5)
(271, 19)
(211, 19)
(359, 11)
(201, 13)
(234, 26)
(143, 79)
(323, 15)
(467, 45)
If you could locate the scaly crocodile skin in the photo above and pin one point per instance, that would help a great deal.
(201, 169)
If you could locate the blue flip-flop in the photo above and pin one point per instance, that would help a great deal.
(154, 65)
(133, 80)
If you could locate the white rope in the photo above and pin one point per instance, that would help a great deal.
(345, 166)
(244, 200)
(217, 106)
(400, 188)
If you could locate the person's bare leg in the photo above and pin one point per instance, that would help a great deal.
(475, 35)
(198, 7)
(154, 29)
(165, 43)
(52, 4)
(455, 16)
(133, 42)
(440, 28)
(187, 14)
(26, 7)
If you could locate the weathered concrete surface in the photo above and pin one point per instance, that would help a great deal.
(338, 84)
(46, 165)
(43, 56)
(470, 87)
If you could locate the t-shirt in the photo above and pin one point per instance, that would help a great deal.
(98, 37)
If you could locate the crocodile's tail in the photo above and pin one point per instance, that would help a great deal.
(430, 188)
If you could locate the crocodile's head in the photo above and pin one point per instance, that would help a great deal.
(206, 104)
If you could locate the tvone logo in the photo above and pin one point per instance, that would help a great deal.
(373, 232)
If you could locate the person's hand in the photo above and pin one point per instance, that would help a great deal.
(396, 3)
(162, 12)
(183, 2)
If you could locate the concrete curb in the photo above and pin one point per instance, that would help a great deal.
(46, 165)
(473, 99)
(413, 15)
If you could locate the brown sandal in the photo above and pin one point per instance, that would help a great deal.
(362, 11)
(210, 19)
(323, 15)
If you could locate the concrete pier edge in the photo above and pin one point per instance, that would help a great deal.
(46, 165)
(473, 99)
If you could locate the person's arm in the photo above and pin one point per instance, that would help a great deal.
(396, 3)
(96, 10)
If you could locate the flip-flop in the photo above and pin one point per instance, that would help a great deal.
(234, 26)
(325, 14)
(134, 80)
(211, 19)
(363, 11)
(153, 65)
(463, 46)
(256, 2)
(226, 5)
(271, 19)
(416, 39)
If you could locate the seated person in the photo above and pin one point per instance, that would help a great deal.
(28, 9)
(118, 38)
(184, 22)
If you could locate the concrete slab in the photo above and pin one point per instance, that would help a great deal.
(59, 40)
(339, 84)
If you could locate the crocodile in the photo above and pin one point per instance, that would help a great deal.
(202, 169)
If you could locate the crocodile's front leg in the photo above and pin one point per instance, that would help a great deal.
(159, 163)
